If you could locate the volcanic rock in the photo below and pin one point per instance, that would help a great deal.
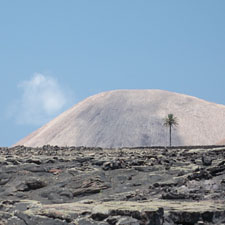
(69, 186)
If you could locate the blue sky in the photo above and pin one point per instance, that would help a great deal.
(55, 53)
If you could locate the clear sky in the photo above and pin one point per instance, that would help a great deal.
(55, 53)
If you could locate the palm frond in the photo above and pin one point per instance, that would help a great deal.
(170, 120)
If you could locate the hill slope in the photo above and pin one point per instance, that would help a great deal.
(133, 118)
(222, 142)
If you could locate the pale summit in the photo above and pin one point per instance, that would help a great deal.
(133, 118)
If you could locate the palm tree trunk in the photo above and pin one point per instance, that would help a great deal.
(170, 136)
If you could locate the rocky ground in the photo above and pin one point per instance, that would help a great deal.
(90, 186)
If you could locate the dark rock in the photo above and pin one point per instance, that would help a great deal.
(87, 221)
(206, 160)
(66, 193)
(46, 147)
(49, 161)
(4, 178)
(202, 174)
(99, 216)
(130, 183)
(13, 161)
(181, 173)
(189, 218)
(113, 165)
(98, 162)
(142, 168)
(222, 163)
(137, 162)
(14, 221)
(31, 184)
(89, 187)
(156, 185)
(156, 217)
(10, 169)
(134, 213)
(35, 161)
(86, 191)
(112, 220)
(207, 216)
(172, 195)
(215, 171)
(40, 220)
(36, 169)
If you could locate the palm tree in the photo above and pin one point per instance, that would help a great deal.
(170, 121)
